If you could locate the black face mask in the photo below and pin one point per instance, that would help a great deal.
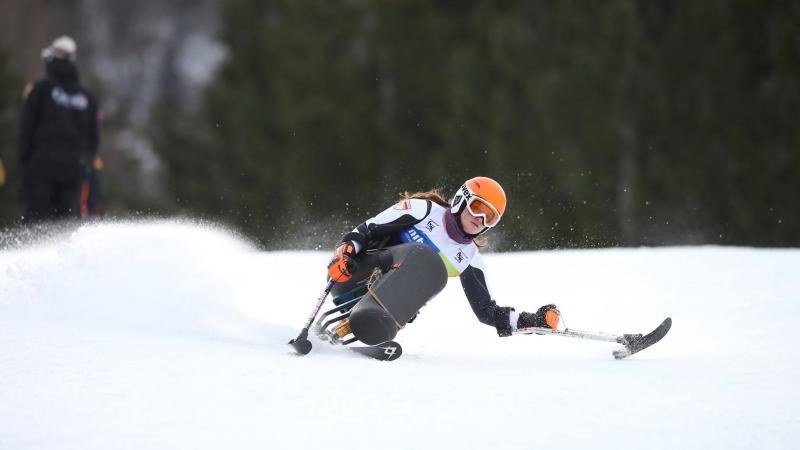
(63, 72)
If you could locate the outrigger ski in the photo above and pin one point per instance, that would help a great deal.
(632, 343)
(635, 343)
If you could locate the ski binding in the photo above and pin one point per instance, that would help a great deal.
(336, 331)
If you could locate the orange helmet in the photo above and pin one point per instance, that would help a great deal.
(483, 196)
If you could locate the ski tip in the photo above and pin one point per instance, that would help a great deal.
(388, 351)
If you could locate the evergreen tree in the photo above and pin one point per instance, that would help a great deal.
(9, 210)
(622, 122)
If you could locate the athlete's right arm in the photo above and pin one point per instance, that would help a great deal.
(473, 280)
(404, 214)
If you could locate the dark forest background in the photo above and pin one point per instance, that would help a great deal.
(622, 122)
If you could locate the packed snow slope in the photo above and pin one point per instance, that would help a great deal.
(173, 336)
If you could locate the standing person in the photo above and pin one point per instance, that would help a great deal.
(417, 244)
(91, 192)
(58, 137)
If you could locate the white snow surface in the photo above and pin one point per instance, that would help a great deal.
(172, 335)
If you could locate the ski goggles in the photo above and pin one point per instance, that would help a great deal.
(479, 207)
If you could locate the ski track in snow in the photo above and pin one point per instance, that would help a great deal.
(173, 335)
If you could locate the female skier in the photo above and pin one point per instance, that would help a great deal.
(416, 244)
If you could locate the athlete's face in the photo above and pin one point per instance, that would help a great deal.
(470, 223)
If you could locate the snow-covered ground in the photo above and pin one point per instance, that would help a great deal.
(173, 336)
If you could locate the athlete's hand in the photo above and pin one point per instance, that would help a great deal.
(342, 266)
(545, 317)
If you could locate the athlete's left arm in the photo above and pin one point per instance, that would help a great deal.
(473, 281)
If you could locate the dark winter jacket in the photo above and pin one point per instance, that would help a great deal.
(58, 127)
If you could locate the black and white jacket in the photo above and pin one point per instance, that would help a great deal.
(423, 221)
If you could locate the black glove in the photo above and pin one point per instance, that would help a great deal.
(501, 322)
(545, 317)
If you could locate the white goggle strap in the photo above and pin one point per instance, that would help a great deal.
(459, 198)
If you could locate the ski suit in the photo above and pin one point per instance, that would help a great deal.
(423, 221)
